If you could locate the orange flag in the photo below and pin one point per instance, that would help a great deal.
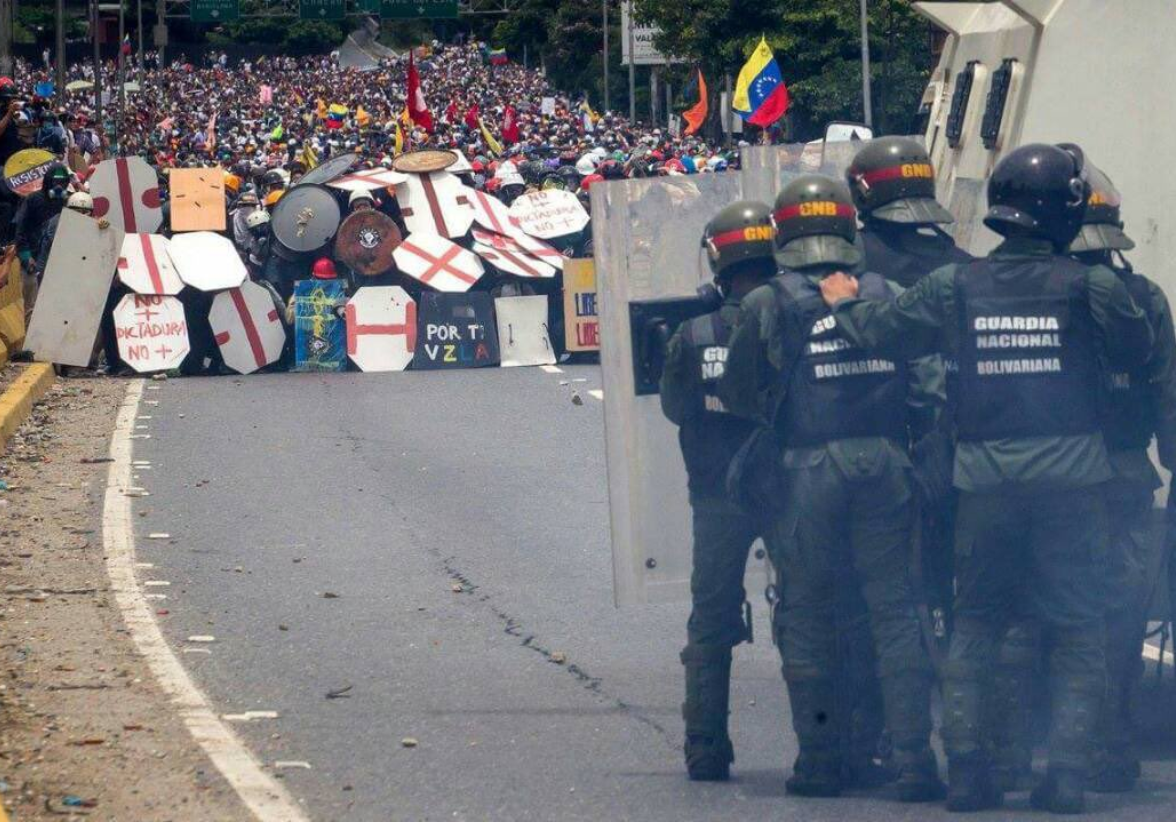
(696, 115)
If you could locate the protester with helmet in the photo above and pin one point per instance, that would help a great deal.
(842, 416)
(1030, 329)
(738, 243)
(361, 201)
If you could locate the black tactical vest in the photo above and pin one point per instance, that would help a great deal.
(710, 436)
(837, 391)
(1028, 363)
(905, 256)
(1130, 413)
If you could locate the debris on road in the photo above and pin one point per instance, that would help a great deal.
(340, 693)
(577, 399)
(409, 742)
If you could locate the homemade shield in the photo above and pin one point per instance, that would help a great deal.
(437, 262)
(207, 261)
(12, 319)
(151, 331)
(127, 194)
(381, 328)
(319, 332)
(522, 331)
(324, 173)
(581, 319)
(549, 214)
(539, 249)
(24, 170)
(146, 265)
(368, 180)
(456, 331)
(304, 221)
(197, 199)
(435, 203)
(247, 327)
(366, 240)
(73, 290)
(513, 260)
(424, 161)
(490, 212)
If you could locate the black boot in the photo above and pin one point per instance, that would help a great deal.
(969, 785)
(708, 749)
(907, 697)
(1009, 706)
(817, 770)
(918, 775)
(1061, 792)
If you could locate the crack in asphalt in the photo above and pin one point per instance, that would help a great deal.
(514, 627)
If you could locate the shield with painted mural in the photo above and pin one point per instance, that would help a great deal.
(424, 161)
(25, 169)
(197, 199)
(207, 261)
(247, 327)
(435, 203)
(304, 221)
(151, 331)
(126, 193)
(328, 171)
(522, 331)
(438, 263)
(366, 240)
(381, 328)
(146, 266)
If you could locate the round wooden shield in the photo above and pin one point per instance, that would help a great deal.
(366, 240)
(332, 168)
(424, 161)
(304, 220)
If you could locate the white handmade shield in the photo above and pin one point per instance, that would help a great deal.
(207, 261)
(127, 194)
(539, 249)
(146, 266)
(522, 331)
(437, 262)
(513, 261)
(73, 290)
(490, 212)
(381, 328)
(435, 203)
(152, 332)
(247, 327)
(549, 214)
(368, 180)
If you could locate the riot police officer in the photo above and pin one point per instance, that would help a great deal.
(893, 186)
(847, 509)
(1141, 403)
(1030, 329)
(738, 242)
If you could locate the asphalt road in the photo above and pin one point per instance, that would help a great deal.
(432, 542)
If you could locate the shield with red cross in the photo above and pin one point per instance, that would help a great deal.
(145, 265)
(127, 194)
(381, 328)
(490, 212)
(520, 250)
(513, 261)
(247, 327)
(370, 179)
(435, 203)
(539, 249)
(151, 331)
(438, 263)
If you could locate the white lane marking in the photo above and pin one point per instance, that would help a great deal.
(1153, 653)
(596, 393)
(551, 369)
(264, 796)
(249, 716)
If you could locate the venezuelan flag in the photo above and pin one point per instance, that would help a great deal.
(761, 98)
(498, 57)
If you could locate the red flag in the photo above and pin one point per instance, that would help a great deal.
(126, 45)
(451, 112)
(510, 125)
(418, 109)
(696, 115)
(472, 115)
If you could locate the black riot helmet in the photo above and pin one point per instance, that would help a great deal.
(741, 235)
(1039, 191)
(1102, 225)
(816, 223)
(892, 180)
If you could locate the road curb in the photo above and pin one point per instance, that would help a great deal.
(16, 403)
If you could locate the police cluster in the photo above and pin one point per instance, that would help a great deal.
(947, 459)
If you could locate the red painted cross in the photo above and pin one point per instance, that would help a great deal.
(146, 314)
(487, 207)
(512, 258)
(439, 264)
(426, 181)
(251, 335)
(356, 329)
(152, 265)
(163, 350)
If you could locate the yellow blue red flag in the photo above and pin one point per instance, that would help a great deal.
(761, 98)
